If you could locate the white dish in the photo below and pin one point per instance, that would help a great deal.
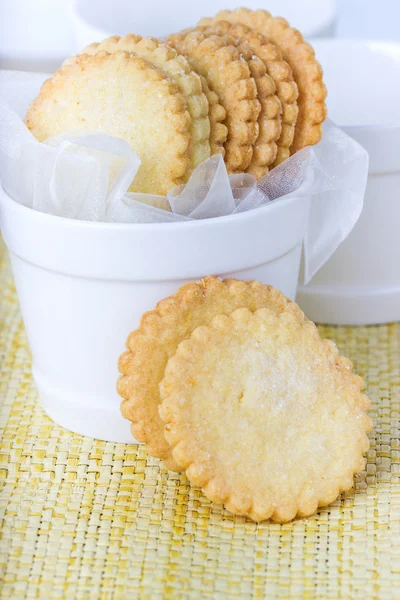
(96, 19)
(84, 287)
(360, 283)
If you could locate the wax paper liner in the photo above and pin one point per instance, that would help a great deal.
(86, 176)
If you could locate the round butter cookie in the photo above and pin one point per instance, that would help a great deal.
(217, 115)
(269, 120)
(125, 96)
(278, 69)
(178, 69)
(216, 112)
(160, 333)
(301, 58)
(264, 415)
(227, 74)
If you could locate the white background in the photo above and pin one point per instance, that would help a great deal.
(39, 34)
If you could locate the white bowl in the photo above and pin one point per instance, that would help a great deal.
(35, 36)
(83, 286)
(360, 283)
(369, 19)
(96, 19)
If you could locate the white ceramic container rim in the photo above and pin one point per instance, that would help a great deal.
(159, 251)
(72, 276)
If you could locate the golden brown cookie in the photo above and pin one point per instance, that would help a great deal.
(269, 120)
(301, 58)
(227, 74)
(280, 72)
(178, 69)
(264, 415)
(125, 96)
(217, 116)
(161, 331)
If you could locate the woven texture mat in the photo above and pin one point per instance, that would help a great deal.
(84, 519)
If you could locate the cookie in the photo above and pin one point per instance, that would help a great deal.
(277, 68)
(125, 96)
(178, 69)
(217, 116)
(156, 340)
(301, 58)
(269, 120)
(264, 415)
(227, 74)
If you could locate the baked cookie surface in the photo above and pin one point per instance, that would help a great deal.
(264, 415)
(277, 68)
(229, 76)
(301, 58)
(265, 147)
(123, 95)
(160, 333)
(177, 68)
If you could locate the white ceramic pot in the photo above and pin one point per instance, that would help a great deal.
(360, 283)
(93, 20)
(83, 287)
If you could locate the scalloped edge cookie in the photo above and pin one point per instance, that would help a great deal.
(306, 69)
(269, 120)
(160, 332)
(228, 74)
(178, 69)
(278, 69)
(264, 415)
(126, 87)
(217, 115)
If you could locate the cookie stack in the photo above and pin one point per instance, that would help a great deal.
(230, 382)
(242, 84)
(225, 380)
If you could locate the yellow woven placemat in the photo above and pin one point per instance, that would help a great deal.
(84, 519)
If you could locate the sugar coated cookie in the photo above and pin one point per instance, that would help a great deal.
(123, 95)
(156, 340)
(264, 415)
